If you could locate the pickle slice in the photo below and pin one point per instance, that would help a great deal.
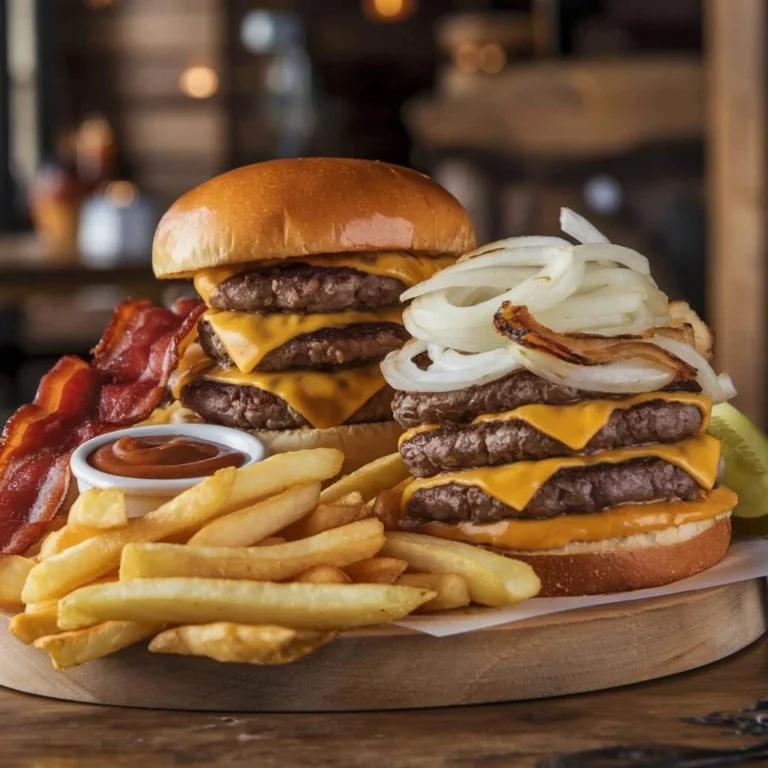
(745, 450)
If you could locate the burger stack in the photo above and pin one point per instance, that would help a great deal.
(301, 264)
(599, 492)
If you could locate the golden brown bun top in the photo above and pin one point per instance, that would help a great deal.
(283, 209)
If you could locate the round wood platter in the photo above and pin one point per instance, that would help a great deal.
(394, 668)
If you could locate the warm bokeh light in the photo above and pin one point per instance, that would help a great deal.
(121, 193)
(388, 10)
(199, 82)
(493, 58)
(100, 3)
(467, 57)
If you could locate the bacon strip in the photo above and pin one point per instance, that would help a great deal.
(76, 401)
(517, 323)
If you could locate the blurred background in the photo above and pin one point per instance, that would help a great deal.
(644, 115)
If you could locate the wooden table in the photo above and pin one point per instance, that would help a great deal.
(40, 733)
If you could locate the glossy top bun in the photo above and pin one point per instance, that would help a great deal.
(283, 209)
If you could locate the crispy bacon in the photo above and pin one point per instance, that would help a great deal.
(517, 323)
(75, 401)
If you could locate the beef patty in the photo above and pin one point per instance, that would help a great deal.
(457, 446)
(246, 407)
(321, 349)
(572, 491)
(299, 287)
(518, 388)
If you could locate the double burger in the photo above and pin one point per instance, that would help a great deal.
(301, 264)
(579, 446)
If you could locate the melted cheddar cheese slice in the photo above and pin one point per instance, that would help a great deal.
(407, 268)
(324, 398)
(621, 521)
(248, 337)
(516, 484)
(576, 424)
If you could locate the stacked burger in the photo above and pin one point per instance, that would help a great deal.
(557, 411)
(301, 264)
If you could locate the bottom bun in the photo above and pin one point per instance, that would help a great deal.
(360, 443)
(635, 562)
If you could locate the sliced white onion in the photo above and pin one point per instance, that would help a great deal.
(579, 228)
(624, 377)
(608, 253)
(515, 242)
(402, 373)
(726, 382)
(595, 287)
(707, 379)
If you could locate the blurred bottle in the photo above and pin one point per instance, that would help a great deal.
(55, 199)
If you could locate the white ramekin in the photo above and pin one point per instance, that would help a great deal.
(141, 496)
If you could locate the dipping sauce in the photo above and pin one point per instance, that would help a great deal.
(164, 458)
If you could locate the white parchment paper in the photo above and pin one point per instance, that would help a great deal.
(746, 559)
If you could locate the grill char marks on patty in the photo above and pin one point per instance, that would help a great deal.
(574, 491)
(518, 388)
(490, 443)
(300, 287)
(322, 349)
(248, 408)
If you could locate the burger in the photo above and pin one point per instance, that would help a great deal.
(301, 264)
(569, 431)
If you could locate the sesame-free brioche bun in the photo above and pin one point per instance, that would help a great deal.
(640, 561)
(283, 209)
(360, 443)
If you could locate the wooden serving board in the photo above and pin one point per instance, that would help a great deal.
(393, 668)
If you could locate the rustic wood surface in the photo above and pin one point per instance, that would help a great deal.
(392, 668)
(42, 733)
(738, 268)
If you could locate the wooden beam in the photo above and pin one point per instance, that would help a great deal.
(738, 251)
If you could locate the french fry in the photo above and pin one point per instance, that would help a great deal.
(250, 525)
(376, 570)
(204, 601)
(276, 473)
(338, 547)
(54, 525)
(324, 517)
(270, 541)
(34, 607)
(64, 538)
(101, 508)
(96, 557)
(14, 570)
(240, 643)
(70, 649)
(323, 574)
(386, 506)
(31, 625)
(451, 590)
(493, 579)
(369, 480)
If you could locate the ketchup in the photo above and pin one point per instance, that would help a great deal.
(164, 458)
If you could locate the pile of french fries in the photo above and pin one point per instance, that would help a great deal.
(253, 565)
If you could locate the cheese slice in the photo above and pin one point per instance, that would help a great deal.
(249, 337)
(563, 530)
(192, 363)
(516, 484)
(324, 398)
(576, 424)
(406, 267)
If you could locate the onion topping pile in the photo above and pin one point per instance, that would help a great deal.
(588, 316)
